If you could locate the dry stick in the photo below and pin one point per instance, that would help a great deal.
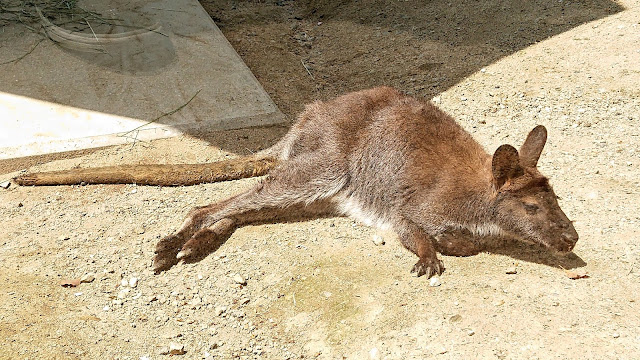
(162, 175)
(306, 68)
(161, 116)
(25, 55)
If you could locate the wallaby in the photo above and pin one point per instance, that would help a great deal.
(397, 163)
(394, 162)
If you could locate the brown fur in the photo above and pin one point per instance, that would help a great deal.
(395, 162)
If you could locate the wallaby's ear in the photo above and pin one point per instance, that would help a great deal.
(532, 147)
(505, 165)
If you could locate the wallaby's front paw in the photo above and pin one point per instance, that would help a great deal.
(429, 267)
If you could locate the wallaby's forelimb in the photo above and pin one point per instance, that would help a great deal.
(161, 175)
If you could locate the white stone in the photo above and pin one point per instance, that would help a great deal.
(377, 240)
(176, 349)
(87, 278)
(239, 279)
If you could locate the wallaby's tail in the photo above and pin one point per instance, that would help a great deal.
(162, 175)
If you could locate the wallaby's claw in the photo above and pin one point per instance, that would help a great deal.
(169, 243)
(429, 268)
(184, 253)
(166, 252)
(162, 263)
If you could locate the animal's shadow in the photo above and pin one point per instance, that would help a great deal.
(533, 253)
(501, 246)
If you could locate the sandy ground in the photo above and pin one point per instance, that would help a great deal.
(322, 289)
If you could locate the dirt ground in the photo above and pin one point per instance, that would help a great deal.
(322, 289)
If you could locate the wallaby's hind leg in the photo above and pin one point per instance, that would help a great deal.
(288, 193)
(209, 239)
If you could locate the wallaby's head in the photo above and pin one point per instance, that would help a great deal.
(525, 203)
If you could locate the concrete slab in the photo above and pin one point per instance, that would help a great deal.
(103, 84)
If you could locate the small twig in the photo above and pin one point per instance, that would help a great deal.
(306, 68)
(161, 116)
(93, 32)
(182, 11)
(24, 55)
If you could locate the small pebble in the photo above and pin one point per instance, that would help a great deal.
(219, 310)
(124, 282)
(239, 279)
(176, 349)
(512, 270)
(87, 278)
(434, 281)
(377, 240)
(123, 293)
(5, 184)
(133, 282)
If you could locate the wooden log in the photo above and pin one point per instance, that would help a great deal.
(160, 175)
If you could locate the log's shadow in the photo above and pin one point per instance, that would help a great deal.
(534, 254)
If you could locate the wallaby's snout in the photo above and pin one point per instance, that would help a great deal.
(568, 236)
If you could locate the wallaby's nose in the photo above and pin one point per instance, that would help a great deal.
(570, 236)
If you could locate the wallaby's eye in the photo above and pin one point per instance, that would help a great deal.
(531, 208)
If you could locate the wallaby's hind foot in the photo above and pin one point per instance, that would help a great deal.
(206, 241)
(179, 247)
(166, 251)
